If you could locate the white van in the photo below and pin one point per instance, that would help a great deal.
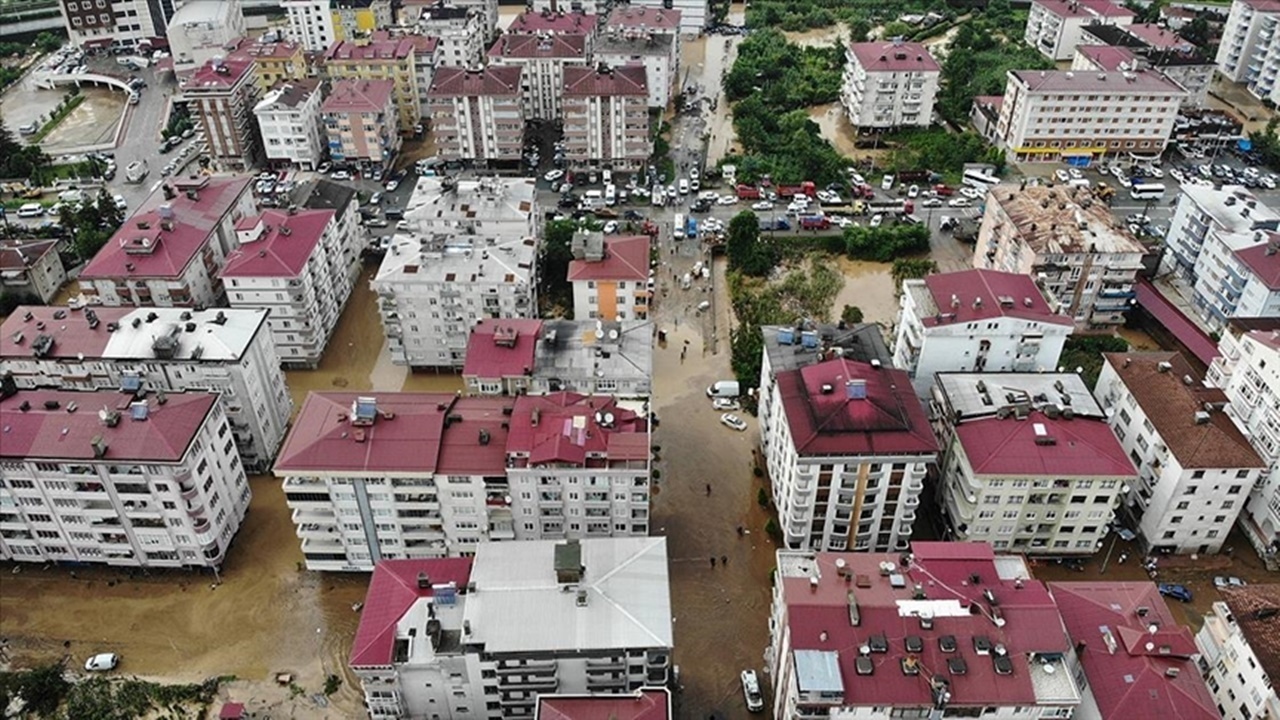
(31, 210)
(678, 230)
(592, 200)
(610, 194)
(1078, 182)
(723, 389)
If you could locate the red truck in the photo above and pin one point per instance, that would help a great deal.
(748, 192)
(814, 222)
(864, 191)
(944, 191)
(805, 188)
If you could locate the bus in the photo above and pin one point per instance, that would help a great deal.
(1146, 191)
(980, 180)
(678, 226)
(691, 230)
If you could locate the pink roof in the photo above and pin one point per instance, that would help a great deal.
(1156, 36)
(1081, 447)
(502, 348)
(894, 57)
(535, 46)
(1264, 261)
(644, 18)
(379, 48)
(957, 293)
(617, 82)
(1131, 681)
(552, 22)
(562, 429)
(644, 704)
(393, 590)
(412, 432)
(350, 95)
(1107, 57)
(156, 252)
(994, 101)
(1084, 8)
(1182, 328)
(282, 248)
(22, 253)
(825, 420)
(1263, 5)
(43, 432)
(625, 258)
(424, 44)
(231, 711)
(494, 80)
(222, 75)
(818, 616)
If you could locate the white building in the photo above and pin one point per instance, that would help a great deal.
(610, 276)
(124, 23)
(1031, 465)
(311, 23)
(1248, 371)
(154, 350)
(694, 14)
(152, 482)
(889, 85)
(1195, 467)
(31, 265)
(1109, 48)
(289, 119)
(489, 637)
(637, 35)
(1237, 652)
(854, 434)
(1249, 53)
(1105, 114)
(1077, 249)
(461, 32)
(872, 636)
(606, 117)
(201, 30)
(981, 320)
(295, 265)
(1054, 26)
(470, 252)
(542, 59)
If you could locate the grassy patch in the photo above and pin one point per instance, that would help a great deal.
(1085, 352)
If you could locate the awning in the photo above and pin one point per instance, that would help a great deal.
(1178, 324)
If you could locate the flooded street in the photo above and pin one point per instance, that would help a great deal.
(868, 285)
(819, 37)
(835, 126)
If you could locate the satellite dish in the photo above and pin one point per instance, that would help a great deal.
(1049, 669)
(608, 418)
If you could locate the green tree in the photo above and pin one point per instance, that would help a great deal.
(42, 689)
(1266, 142)
(91, 223)
(1085, 352)
(851, 315)
(910, 269)
(896, 28)
(47, 42)
(18, 160)
(746, 344)
(557, 253)
(746, 251)
(887, 242)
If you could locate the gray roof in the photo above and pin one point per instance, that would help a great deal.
(517, 606)
(818, 671)
(788, 351)
(324, 194)
(574, 352)
(968, 396)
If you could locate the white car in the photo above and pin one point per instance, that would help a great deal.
(725, 404)
(693, 174)
(958, 202)
(1155, 172)
(842, 221)
(121, 202)
(31, 210)
(102, 662)
(403, 226)
(931, 202)
(877, 220)
(727, 200)
(392, 185)
(913, 191)
(611, 227)
(684, 186)
(733, 421)
(341, 175)
(1062, 175)
(797, 207)
(751, 691)
(694, 185)
(762, 205)
(886, 183)
(553, 175)
(1075, 173)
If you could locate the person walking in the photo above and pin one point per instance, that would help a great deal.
(713, 561)
(724, 560)
(708, 489)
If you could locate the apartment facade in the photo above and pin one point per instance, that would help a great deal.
(168, 253)
(1109, 48)
(125, 482)
(979, 320)
(1054, 27)
(1237, 657)
(1195, 468)
(1249, 53)
(469, 252)
(200, 30)
(311, 24)
(353, 19)
(152, 350)
(636, 35)
(32, 266)
(1057, 115)
(102, 23)
(889, 85)
(612, 592)
(606, 117)
(290, 123)
(610, 276)
(223, 93)
(1078, 251)
(460, 31)
(478, 116)
(275, 62)
(381, 57)
(359, 119)
(695, 15)
(542, 59)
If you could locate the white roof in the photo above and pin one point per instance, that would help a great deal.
(1238, 216)
(483, 202)
(517, 605)
(440, 256)
(226, 341)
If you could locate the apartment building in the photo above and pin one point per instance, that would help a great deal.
(1248, 371)
(1248, 53)
(1195, 467)
(31, 265)
(311, 24)
(324, 194)
(538, 357)
(426, 57)
(566, 7)
(275, 61)
(595, 617)
(635, 35)
(644, 704)
(469, 252)
(134, 350)
(290, 123)
(1031, 465)
(1131, 658)
(1109, 48)
(460, 32)
(381, 57)
(606, 117)
(847, 445)
(295, 265)
(610, 276)
(1056, 115)
(1238, 655)
(200, 30)
(542, 59)
(981, 320)
(223, 93)
(889, 84)
(169, 251)
(477, 116)
(695, 15)
(1079, 252)
(552, 22)
(927, 632)
(359, 119)
(127, 481)
(125, 23)
(354, 19)
(1054, 27)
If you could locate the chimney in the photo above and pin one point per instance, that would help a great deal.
(424, 581)
(568, 562)
(855, 389)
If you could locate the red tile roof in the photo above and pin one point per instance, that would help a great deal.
(890, 420)
(1084, 8)
(42, 432)
(424, 44)
(894, 57)
(502, 348)
(644, 18)
(957, 293)
(350, 95)
(1108, 57)
(413, 432)
(172, 250)
(1253, 608)
(617, 82)
(393, 590)
(539, 46)
(378, 49)
(1127, 672)
(22, 253)
(818, 617)
(1264, 261)
(214, 74)
(1081, 447)
(278, 50)
(552, 22)
(562, 429)
(1264, 5)
(644, 704)
(460, 82)
(1173, 320)
(282, 248)
(625, 258)
(1156, 36)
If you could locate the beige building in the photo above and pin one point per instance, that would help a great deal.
(223, 93)
(606, 117)
(31, 265)
(478, 115)
(360, 123)
(889, 84)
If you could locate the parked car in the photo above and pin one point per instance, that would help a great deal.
(1175, 591)
(611, 227)
(392, 185)
(886, 183)
(733, 421)
(1225, 582)
(1062, 175)
(762, 205)
(553, 175)
(375, 199)
(958, 202)
(31, 210)
(877, 220)
(341, 175)
(751, 690)
(102, 662)
(725, 404)
(375, 223)
(931, 202)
